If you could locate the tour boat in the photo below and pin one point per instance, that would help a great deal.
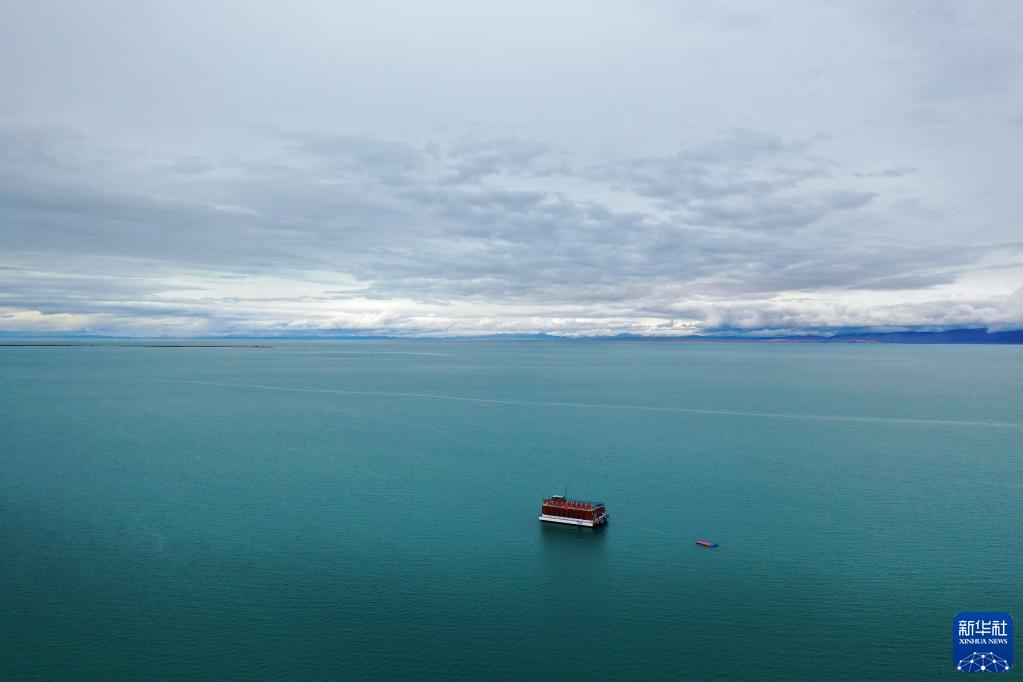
(556, 509)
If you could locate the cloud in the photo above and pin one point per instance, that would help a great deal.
(891, 172)
(420, 250)
(954, 51)
(733, 163)
(665, 171)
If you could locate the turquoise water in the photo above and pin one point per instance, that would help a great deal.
(368, 508)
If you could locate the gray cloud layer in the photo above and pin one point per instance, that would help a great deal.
(677, 192)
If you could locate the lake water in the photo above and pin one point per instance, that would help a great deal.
(362, 509)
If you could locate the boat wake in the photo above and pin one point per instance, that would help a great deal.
(611, 406)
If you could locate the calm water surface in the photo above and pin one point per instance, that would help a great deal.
(368, 508)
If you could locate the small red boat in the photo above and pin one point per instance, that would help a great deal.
(706, 543)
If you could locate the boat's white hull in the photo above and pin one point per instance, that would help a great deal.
(574, 522)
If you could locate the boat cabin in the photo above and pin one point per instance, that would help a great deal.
(558, 509)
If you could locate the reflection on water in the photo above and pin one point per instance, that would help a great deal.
(561, 543)
(573, 565)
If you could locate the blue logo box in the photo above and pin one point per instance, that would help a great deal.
(982, 642)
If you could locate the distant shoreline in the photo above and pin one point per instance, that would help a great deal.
(85, 344)
(952, 336)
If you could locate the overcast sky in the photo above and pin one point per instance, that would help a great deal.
(445, 168)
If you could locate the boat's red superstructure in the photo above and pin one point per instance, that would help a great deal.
(557, 509)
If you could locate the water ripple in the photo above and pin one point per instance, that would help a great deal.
(608, 406)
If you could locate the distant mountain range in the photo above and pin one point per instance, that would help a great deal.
(951, 336)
